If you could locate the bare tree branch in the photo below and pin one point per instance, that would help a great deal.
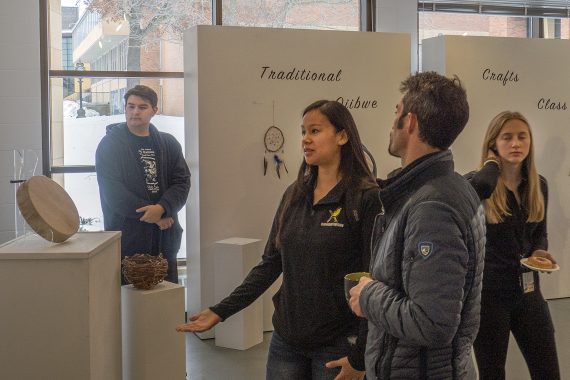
(151, 21)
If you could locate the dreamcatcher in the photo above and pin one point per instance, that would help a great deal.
(274, 141)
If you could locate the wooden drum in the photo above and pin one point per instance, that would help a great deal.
(48, 209)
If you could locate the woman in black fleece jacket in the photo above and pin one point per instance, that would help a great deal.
(515, 199)
(321, 231)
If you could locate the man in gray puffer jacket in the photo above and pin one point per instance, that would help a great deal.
(423, 300)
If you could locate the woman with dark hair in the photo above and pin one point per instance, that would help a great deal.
(321, 232)
(515, 197)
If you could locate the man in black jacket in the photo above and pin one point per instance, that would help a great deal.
(423, 300)
(143, 181)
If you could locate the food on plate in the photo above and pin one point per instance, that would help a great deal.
(539, 262)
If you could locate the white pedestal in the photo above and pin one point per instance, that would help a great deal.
(233, 260)
(61, 308)
(152, 349)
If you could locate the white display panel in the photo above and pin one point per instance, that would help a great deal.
(232, 98)
(529, 76)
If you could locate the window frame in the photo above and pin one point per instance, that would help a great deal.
(497, 8)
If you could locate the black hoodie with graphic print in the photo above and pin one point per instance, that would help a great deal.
(122, 189)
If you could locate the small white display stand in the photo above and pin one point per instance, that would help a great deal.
(234, 258)
(61, 308)
(152, 348)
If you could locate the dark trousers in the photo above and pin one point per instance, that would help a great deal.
(172, 273)
(287, 362)
(528, 317)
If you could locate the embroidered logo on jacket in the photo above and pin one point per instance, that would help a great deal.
(425, 249)
(332, 221)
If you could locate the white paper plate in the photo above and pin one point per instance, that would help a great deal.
(526, 264)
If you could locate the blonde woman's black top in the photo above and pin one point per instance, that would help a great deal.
(512, 239)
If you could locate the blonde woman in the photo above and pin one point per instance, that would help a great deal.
(515, 198)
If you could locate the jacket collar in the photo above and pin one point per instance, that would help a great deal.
(415, 175)
(121, 131)
(333, 196)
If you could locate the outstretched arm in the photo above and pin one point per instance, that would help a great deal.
(256, 282)
(200, 322)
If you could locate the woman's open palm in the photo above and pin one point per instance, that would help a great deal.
(200, 322)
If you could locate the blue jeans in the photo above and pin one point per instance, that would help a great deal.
(287, 362)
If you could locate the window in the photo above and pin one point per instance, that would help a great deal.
(539, 19)
(311, 14)
(494, 19)
(94, 55)
(432, 24)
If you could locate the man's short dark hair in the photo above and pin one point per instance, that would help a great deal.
(440, 105)
(144, 92)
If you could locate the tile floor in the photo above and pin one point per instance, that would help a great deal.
(206, 361)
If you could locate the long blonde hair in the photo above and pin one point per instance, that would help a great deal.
(496, 206)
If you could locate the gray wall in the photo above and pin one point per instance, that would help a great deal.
(20, 115)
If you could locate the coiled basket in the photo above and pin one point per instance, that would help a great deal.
(144, 271)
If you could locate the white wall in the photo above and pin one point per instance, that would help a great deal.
(400, 16)
(229, 106)
(20, 113)
(535, 69)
